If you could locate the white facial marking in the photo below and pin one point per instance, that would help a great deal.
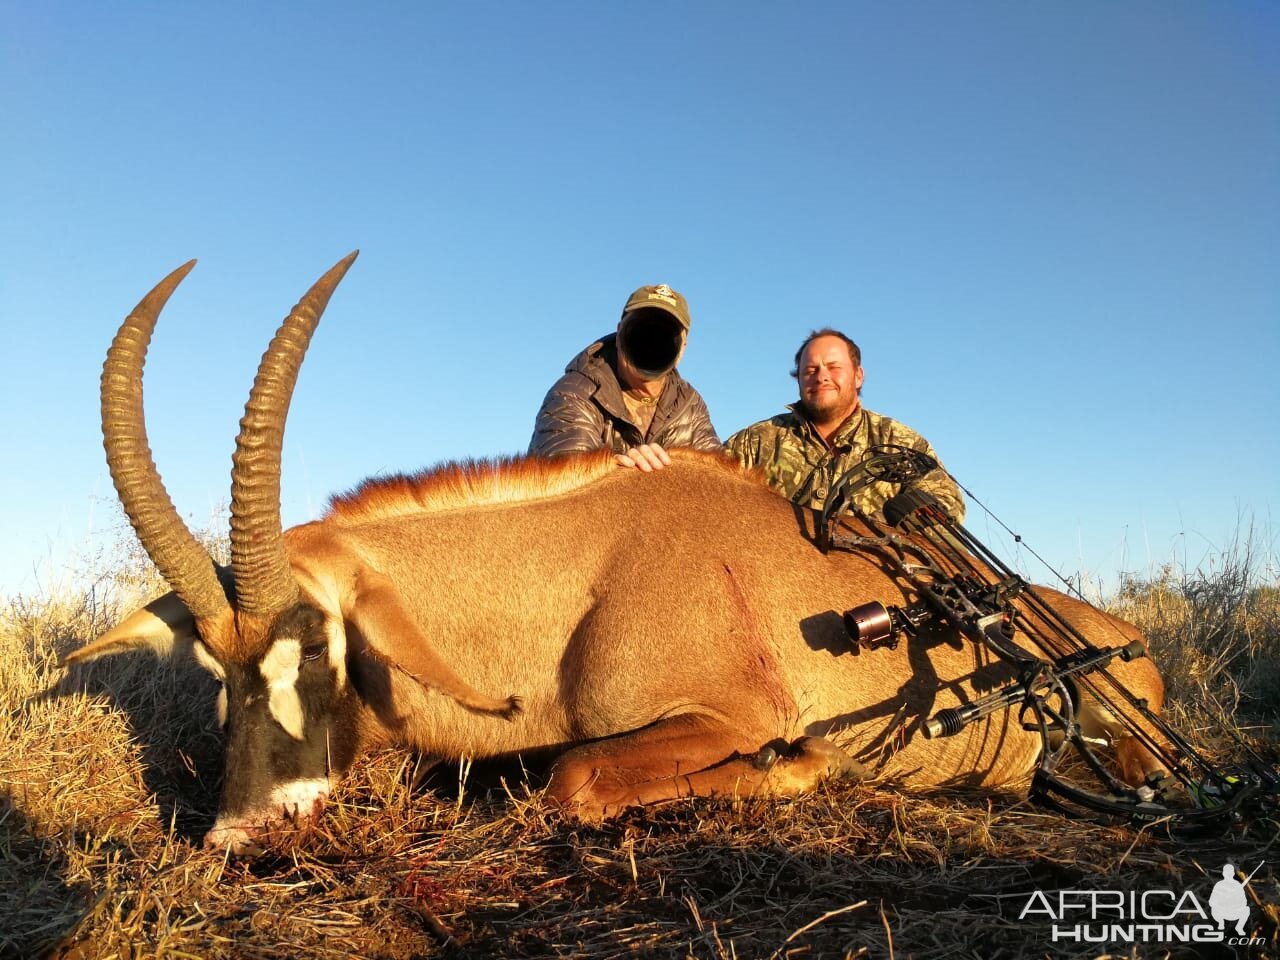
(209, 663)
(206, 660)
(301, 797)
(297, 798)
(280, 669)
(336, 634)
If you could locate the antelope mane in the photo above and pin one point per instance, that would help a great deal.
(475, 483)
(469, 483)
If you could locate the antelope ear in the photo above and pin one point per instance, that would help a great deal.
(163, 625)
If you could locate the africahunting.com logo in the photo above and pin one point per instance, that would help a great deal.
(1146, 916)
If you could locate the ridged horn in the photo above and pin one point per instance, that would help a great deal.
(179, 557)
(264, 583)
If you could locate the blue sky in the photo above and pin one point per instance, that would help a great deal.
(1053, 228)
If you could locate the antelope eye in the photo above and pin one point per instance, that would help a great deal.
(313, 651)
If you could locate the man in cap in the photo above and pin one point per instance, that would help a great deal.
(623, 392)
(828, 431)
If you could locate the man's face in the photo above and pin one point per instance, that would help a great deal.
(650, 341)
(829, 380)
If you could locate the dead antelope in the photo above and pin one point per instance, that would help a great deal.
(655, 630)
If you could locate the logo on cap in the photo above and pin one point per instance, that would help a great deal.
(663, 292)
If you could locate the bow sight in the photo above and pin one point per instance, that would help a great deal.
(956, 581)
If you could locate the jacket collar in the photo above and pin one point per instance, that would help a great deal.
(596, 363)
(846, 434)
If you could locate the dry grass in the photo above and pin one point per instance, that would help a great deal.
(108, 778)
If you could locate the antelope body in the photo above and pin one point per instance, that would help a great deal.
(654, 630)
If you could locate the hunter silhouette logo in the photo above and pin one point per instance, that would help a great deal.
(1228, 901)
(1147, 916)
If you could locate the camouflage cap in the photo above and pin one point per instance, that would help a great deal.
(662, 297)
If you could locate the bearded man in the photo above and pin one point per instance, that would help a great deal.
(828, 431)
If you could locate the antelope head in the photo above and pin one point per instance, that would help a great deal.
(289, 711)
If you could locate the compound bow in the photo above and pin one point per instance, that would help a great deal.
(959, 581)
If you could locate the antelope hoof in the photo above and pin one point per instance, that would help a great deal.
(839, 765)
(770, 754)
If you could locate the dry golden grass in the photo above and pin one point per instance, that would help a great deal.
(108, 778)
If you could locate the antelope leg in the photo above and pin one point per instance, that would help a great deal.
(683, 756)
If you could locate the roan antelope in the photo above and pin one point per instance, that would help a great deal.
(655, 630)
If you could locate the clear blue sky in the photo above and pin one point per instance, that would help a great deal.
(1053, 228)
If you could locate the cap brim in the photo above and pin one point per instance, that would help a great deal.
(659, 305)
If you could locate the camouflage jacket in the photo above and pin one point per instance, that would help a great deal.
(584, 410)
(800, 466)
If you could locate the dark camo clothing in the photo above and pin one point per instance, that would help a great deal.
(800, 466)
(585, 410)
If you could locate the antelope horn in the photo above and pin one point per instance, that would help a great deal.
(264, 583)
(179, 557)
